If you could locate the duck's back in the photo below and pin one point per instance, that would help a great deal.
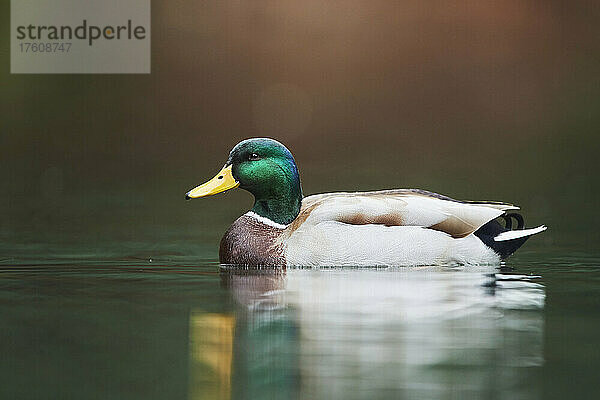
(391, 227)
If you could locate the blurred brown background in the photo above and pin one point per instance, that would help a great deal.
(478, 100)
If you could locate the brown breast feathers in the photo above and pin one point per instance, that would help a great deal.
(249, 242)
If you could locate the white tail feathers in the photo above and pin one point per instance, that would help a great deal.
(510, 235)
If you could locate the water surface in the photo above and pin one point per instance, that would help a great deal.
(169, 328)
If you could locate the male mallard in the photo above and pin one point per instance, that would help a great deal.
(388, 227)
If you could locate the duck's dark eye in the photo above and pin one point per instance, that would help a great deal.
(253, 157)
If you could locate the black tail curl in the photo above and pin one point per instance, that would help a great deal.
(486, 233)
(508, 220)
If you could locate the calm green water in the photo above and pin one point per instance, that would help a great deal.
(176, 329)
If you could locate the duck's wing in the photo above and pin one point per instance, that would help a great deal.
(400, 207)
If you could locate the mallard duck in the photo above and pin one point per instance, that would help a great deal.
(398, 227)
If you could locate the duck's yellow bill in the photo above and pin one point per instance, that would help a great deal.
(223, 181)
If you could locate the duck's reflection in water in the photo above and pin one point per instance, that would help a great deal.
(267, 342)
(384, 333)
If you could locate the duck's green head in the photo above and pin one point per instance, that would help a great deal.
(265, 168)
